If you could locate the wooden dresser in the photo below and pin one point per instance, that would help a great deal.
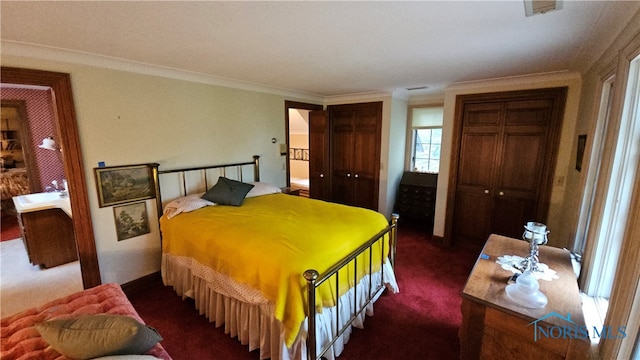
(494, 327)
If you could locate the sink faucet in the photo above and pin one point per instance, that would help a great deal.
(63, 191)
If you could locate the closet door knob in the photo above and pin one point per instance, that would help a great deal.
(356, 175)
(348, 174)
(321, 175)
(501, 193)
(486, 191)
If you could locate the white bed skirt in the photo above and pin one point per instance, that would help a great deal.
(247, 315)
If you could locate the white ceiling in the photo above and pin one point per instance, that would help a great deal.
(326, 48)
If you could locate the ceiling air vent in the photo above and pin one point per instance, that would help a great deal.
(532, 7)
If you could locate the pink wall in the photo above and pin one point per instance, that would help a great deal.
(40, 113)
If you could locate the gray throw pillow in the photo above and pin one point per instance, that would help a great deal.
(91, 336)
(227, 192)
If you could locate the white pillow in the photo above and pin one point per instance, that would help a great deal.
(186, 204)
(260, 189)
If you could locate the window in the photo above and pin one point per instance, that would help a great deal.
(610, 213)
(426, 149)
(609, 222)
(426, 138)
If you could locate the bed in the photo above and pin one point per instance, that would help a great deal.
(260, 267)
(13, 182)
(22, 334)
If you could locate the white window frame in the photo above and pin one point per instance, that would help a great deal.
(414, 144)
(415, 123)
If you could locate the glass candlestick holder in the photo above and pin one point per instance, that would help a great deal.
(525, 292)
(536, 234)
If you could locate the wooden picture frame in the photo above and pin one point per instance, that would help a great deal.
(131, 220)
(124, 184)
(582, 142)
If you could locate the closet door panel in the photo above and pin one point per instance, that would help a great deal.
(342, 152)
(341, 176)
(510, 214)
(507, 146)
(536, 112)
(365, 177)
(483, 114)
(475, 189)
(319, 155)
(522, 161)
(477, 158)
(355, 153)
(471, 221)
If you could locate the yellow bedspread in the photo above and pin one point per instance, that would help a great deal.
(269, 242)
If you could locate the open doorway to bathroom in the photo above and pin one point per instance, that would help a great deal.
(28, 116)
(297, 129)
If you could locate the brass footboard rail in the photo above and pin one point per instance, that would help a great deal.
(315, 279)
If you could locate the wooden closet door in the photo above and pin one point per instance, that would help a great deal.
(522, 164)
(318, 155)
(342, 152)
(355, 153)
(477, 168)
(506, 158)
(366, 157)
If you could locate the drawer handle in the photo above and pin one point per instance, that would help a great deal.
(501, 193)
(356, 176)
(321, 175)
(486, 191)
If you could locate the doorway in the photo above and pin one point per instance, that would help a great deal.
(66, 127)
(297, 138)
(16, 161)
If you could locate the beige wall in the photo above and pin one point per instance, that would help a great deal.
(131, 118)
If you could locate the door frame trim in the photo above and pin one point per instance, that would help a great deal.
(557, 93)
(67, 127)
(294, 105)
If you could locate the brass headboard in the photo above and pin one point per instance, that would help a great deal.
(203, 170)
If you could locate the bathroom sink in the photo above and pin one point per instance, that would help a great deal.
(42, 201)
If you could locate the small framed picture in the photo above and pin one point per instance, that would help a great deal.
(124, 184)
(582, 142)
(298, 155)
(131, 220)
(305, 154)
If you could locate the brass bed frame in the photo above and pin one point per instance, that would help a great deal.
(314, 278)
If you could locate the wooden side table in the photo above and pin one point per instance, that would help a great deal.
(290, 191)
(495, 327)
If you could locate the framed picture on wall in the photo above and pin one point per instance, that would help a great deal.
(582, 142)
(131, 220)
(124, 184)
